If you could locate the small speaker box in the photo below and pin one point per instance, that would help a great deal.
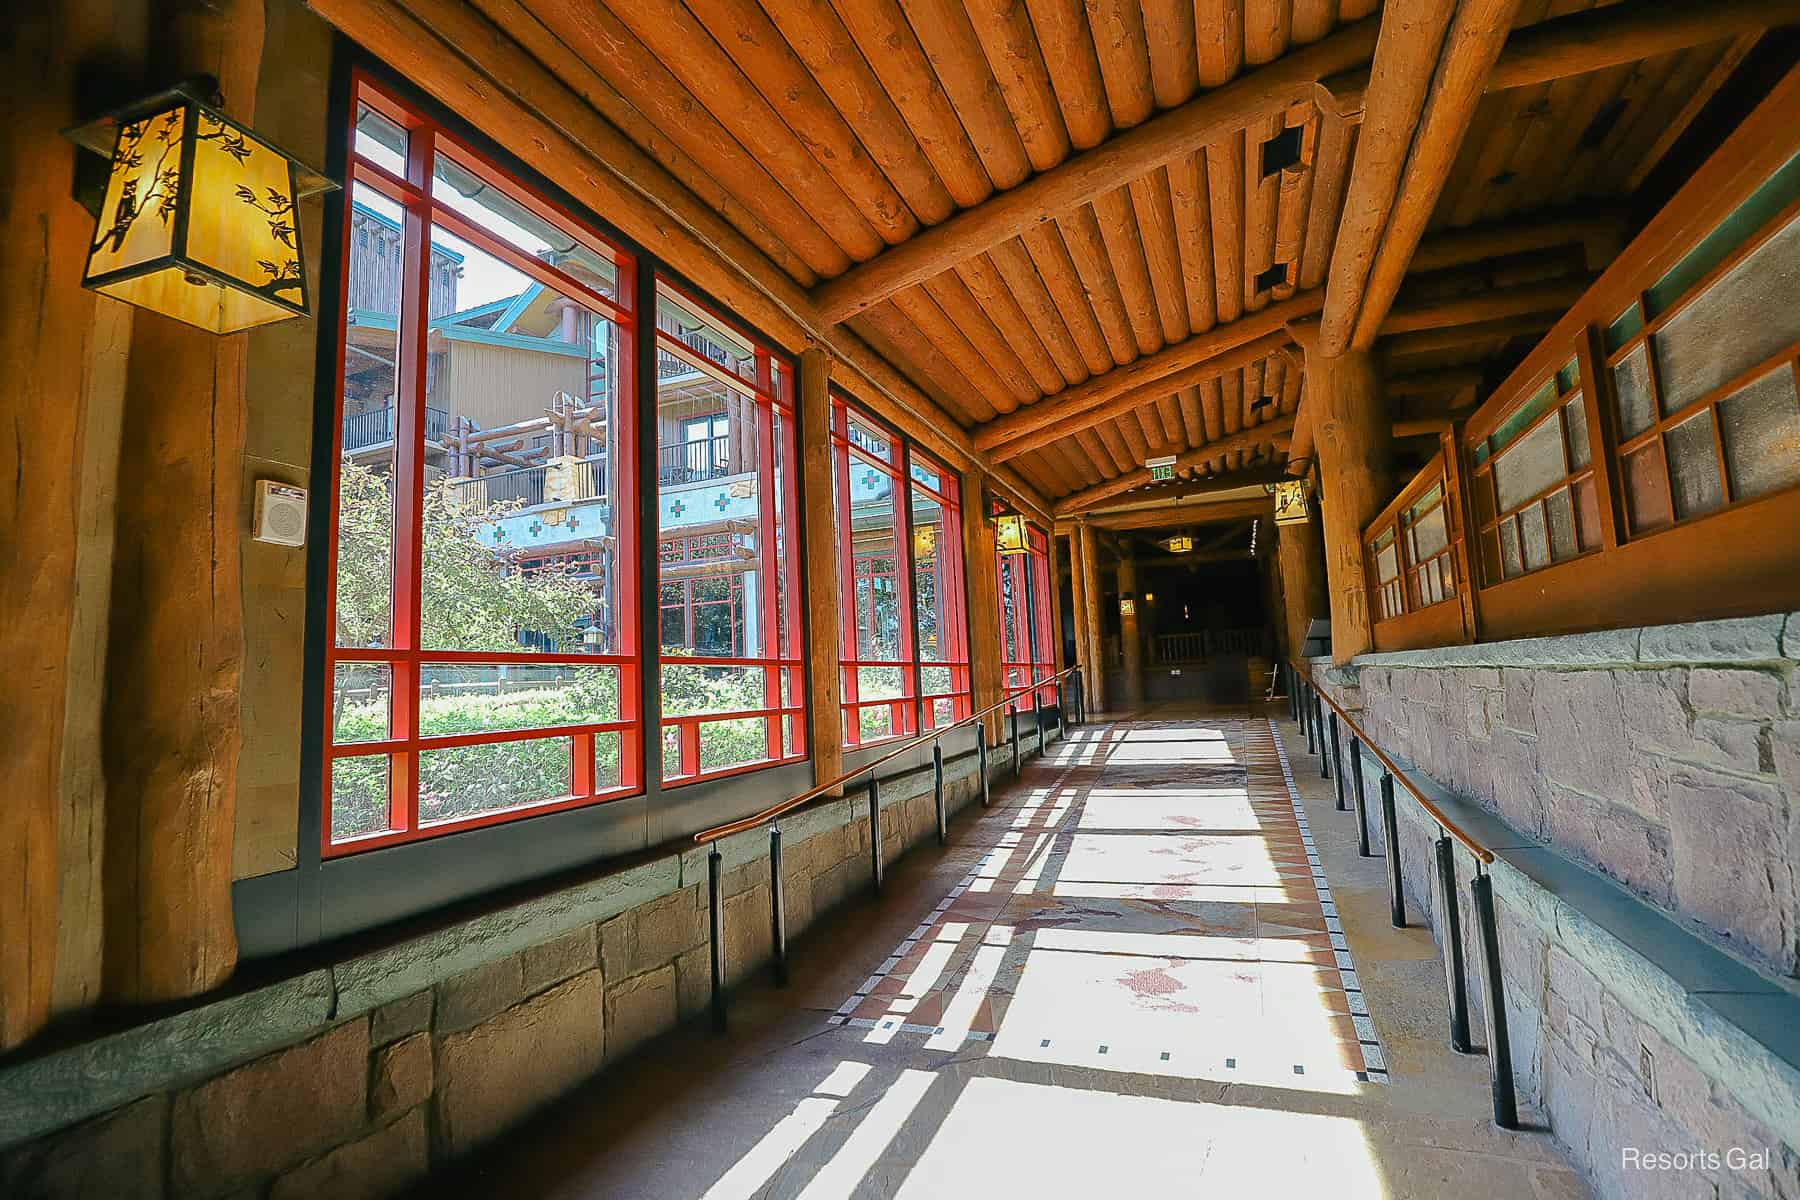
(280, 513)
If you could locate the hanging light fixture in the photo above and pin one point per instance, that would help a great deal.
(199, 217)
(1290, 502)
(1181, 543)
(924, 540)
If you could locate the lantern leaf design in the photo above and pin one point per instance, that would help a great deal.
(1009, 534)
(1290, 502)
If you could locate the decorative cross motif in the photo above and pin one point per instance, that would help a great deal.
(574, 521)
(868, 480)
(719, 502)
(676, 508)
(537, 527)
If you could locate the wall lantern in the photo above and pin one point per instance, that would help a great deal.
(1290, 502)
(924, 541)
(198, 219)
(1181, 543)
(1127, 606)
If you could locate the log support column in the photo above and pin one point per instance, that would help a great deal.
(1131, 639)
(1353, 440)
(984, 604)
(1087, 558)
(1303, 594)
(818, 502)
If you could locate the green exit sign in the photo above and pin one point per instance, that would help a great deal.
(1161, 469)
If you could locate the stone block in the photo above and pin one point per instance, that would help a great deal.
(638, 1009)
(693, 981)
(559, 958)
(832, 887)
(405, 1016)
(1655, 708)
(1516, 788)
(375, 1167)
(119, 1156)
(1733, 871)
(1740, 693)
(669, 927)
(492, 1075)
(1732, 741)
(400, 1077)
(256, 1120)
(478, 994)
(748, 936)
(1517, 685)
(1784, 752)
(1746, 639)
(1581, 733)
(616, 936)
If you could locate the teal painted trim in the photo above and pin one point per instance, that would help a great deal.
(509, 341)
(368, 318)
(469, 314)
(516, 308)
(365, 210)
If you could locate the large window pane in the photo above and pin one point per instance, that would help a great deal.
(1742, 319)
(359, 796)
(463, 698)
(361, 695)
(1694, 466)
(474, 781)
(1760, 426)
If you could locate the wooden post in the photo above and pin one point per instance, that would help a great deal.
(1353, 439)
(1095, 674)
(171, 732)
(1131, 642)
(984, 603)
(1078, 586)
(1302, 580)
(822, 617)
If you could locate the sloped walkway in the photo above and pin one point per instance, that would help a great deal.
(1130, 974)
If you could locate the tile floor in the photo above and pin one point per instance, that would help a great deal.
(1130, 972)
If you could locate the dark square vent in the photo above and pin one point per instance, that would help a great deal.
(1281, 151)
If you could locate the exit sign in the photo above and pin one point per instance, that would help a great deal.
(1161, 469)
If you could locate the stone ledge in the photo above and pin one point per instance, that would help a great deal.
(1739, 1026)
(1765, 639)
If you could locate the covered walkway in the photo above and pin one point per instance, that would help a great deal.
(1155, 963)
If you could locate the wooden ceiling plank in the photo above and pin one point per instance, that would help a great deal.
(570, 48)
(1169, 39)
(889, 178)
(1219, 40)
(1722, 69)
(1198, 349)
(861, 224)
(1406, 59)
(1123, 49)
(1526, 235)
(1253, 385)
(1687, 73)
(1530, 165)
(1087, 250)
(1049, 256)
(882, 38)
(960, 306)
(1168, 410)
(1475, 40)
(1149, 422)
(1483, 332)
(1491, 305)
(829, 54)
(1583, 176)
(1614, 35)
(1062, 32)
(1262, 194)
(1028, 339)
(1082, 469)
(1125, 250)
(1039, 310)
(944, 30)
(1503, 123)
(1231, 397)
(1266, 30)
(1013, 54)
(1356, 10)
(1207, 118)
(1212, 409)
(1193, 425)
(1133, 432)
(1116, 448)
(1095, 449)
(1193, 238)
(1176, 513)
(1293, 199)
(989, 395)
(1312, 19)
(1099, 494)
(1225, 198)
(898, 340)
(1331, 178)
(1151, 202)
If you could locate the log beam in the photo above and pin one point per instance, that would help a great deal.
(1626, 33)
(1598, 235)
(1249, 439)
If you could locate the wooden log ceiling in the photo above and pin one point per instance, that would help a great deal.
(1059, 237)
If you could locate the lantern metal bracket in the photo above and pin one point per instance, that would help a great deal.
(100, 136)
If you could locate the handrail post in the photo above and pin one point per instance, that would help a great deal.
(1506, 1105)
(1307, 719)
(1362, 809)
(981, 767)
(1293, 693)
(1337, 758)
(1390, 834)
(716, 915)
(1018, 764)
(777, 906)
(937, 787)
(1324, 751)
(1450, 932)
(875, 829)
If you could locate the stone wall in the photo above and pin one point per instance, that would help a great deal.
(1668, 760)
(357, 1079)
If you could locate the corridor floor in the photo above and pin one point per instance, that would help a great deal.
(1154, 965)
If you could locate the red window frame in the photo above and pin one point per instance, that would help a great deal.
(1034, 623)
(771, 393)
(421, 211)
(952, 593)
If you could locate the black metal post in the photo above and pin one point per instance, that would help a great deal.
(1450, 934)
(937, 787)
(1018, 763)
(875, 829)
(777, 907)
(1506, 1104)
(1390, 834)
(1324, 754)
(1293, 691)
(1362, 808)
(1337, 759)
(716, 911)
(981, 767)
(1306, 718)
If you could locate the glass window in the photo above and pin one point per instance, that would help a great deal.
(941, 628)
(727, 578)
(482, 558)
(1026, 653)
(1539, 470)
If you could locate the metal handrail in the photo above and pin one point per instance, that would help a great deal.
(1462, 836)
(820, 789)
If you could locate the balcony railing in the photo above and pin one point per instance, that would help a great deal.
(376, 426)
(582, 480)
(694, 462)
